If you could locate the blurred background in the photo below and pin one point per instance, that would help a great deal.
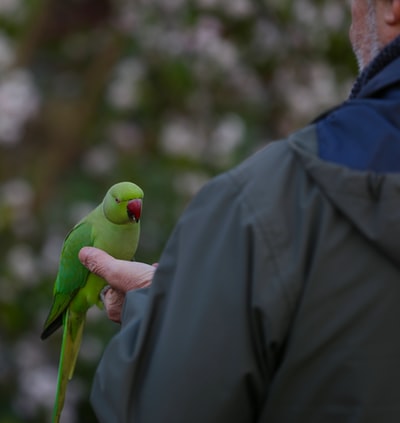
(165, 93)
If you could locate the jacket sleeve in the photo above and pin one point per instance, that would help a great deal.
(201, 344)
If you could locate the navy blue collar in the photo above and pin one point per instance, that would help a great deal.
(369, 81)
(364, 132)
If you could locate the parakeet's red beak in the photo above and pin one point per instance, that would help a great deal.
(134, 209)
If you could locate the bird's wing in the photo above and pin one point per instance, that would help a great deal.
(71, 275)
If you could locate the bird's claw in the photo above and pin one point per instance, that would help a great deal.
(103, 292)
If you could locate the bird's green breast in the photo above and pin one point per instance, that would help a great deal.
(120, 241)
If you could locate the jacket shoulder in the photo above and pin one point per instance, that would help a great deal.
(272, 174)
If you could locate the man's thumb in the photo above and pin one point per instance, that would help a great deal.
(97, 261)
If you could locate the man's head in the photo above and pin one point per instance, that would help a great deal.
(375, 23)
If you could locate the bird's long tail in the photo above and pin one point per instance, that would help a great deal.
(73, 324)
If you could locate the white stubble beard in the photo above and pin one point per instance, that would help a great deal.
(365, 42)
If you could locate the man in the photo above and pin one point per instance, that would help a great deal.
(277, 298)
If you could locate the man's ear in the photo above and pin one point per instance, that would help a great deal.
(392, 12)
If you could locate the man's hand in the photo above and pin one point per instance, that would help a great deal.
(121, 275)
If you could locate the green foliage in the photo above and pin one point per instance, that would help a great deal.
(166, 94)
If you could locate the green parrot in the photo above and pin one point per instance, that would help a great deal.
(112, 226)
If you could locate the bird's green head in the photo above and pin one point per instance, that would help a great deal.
(123, 203)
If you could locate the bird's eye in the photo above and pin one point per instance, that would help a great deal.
(117, 200)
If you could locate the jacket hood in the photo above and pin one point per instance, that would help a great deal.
(370, 200)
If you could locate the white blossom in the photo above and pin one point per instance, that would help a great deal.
(19, 101)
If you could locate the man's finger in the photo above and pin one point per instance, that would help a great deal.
(113, 303)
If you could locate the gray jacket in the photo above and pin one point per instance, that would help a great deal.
(276, 300)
